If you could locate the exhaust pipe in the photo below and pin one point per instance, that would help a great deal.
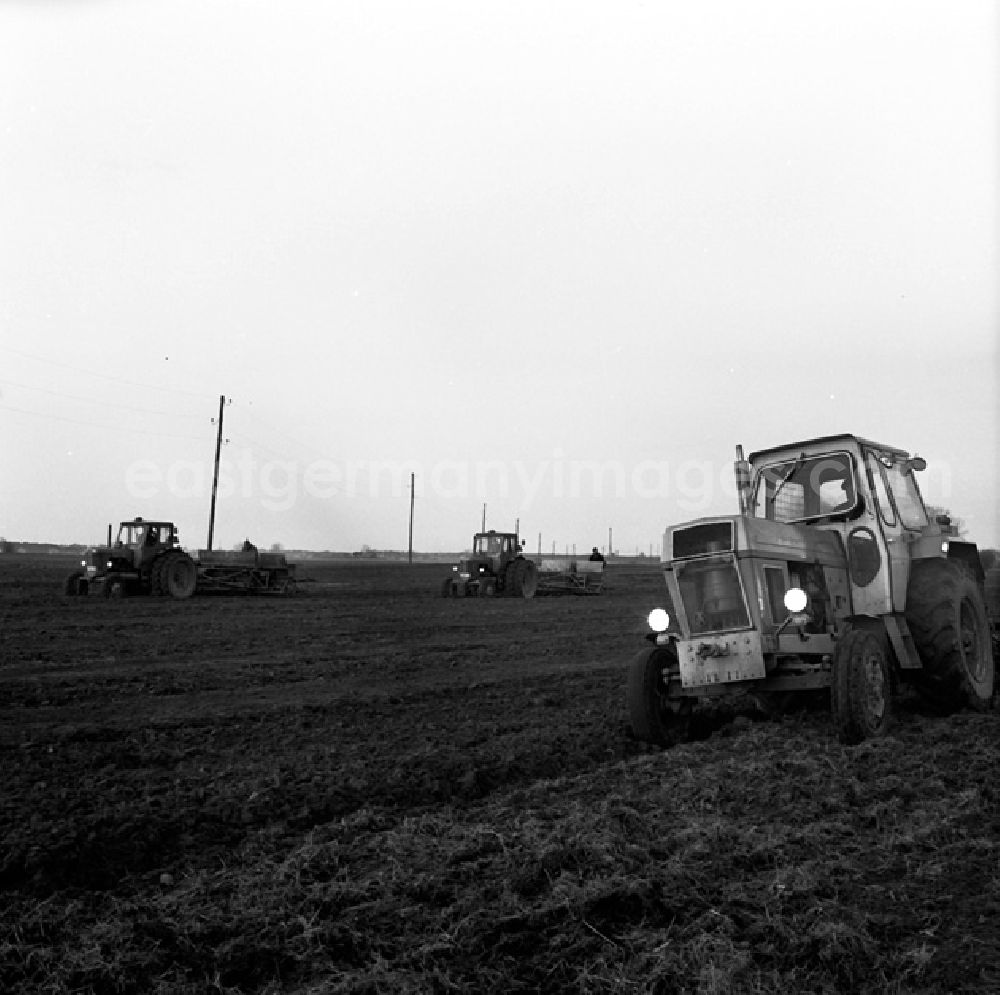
(741, 468)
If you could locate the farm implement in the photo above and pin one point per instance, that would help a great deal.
(147, 559)
(832, 579)
(570, 576)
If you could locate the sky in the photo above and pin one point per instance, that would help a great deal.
(551, 261)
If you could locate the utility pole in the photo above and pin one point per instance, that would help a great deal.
(410, 553)
(539, 543)
(215, 476)
(609, 542)
(484, 516)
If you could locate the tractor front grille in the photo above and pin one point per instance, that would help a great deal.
(712, 595)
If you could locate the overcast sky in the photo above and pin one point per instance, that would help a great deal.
(557, 258)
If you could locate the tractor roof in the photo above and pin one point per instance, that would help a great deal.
(827, 440)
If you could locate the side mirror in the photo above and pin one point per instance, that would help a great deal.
(914, 463)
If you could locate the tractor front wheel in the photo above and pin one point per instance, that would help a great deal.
(115, 588)
(652, 714)
(156, 583)
(75, 584)
(862, 687)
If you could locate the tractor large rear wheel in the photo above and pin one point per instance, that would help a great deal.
(947, 617)
(862, 687)
(523, 578)
(179, 575)
(652, 714)
(991, 593)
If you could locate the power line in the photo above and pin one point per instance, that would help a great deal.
(105, 427)
(90, 400)
(244, 438)
(284, 435)
(105, 376)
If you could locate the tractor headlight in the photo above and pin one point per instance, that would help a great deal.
(658, 620)
(796, 600)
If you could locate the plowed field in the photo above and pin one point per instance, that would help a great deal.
(369, 788)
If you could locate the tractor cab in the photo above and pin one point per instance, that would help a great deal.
(139, 542)
(497, 547)
(867, 494)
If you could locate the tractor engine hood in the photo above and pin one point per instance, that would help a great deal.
(740, 534)
(473, 567)
(95, 559)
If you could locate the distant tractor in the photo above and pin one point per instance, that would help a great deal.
(497, 566)
(147, 558)
(834, 578)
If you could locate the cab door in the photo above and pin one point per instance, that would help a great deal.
(896, 538)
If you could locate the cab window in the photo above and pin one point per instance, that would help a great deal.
(877, 471)
(805, 488)
(129, 534)
(907, 497)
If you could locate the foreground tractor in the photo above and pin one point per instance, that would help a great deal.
(832, 578)
(496, 567)
(147, 558)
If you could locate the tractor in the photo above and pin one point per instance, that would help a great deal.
(146, 558)
(496, 566)
(831, 581)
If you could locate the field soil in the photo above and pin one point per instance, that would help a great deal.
(368, 788)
